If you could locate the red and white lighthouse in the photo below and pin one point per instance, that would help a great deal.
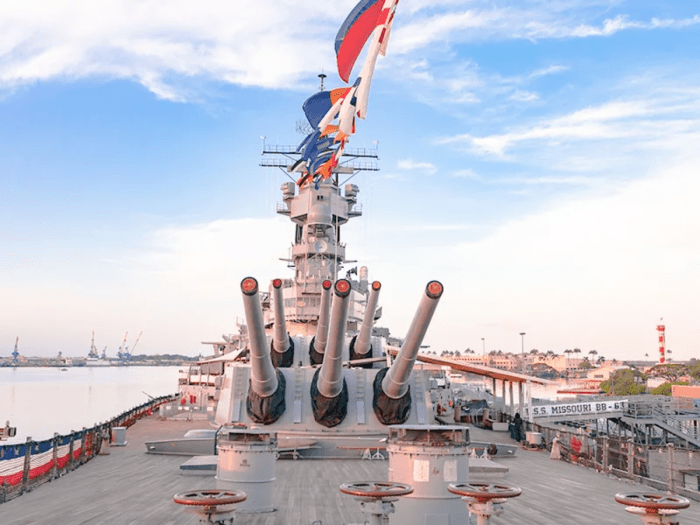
(662, 343)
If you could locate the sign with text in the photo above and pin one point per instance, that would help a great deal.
(585, 408)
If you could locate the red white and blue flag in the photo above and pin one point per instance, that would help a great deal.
(369, 18)
(353, 34)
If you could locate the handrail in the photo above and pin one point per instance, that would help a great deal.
(663, 411)
(24, 466)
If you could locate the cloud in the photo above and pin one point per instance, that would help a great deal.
(181, 285)
(483, 21)
(164, 45)
(550, 70)
(205, 258)
(524, 96)
(467, 173)
(411, 165)
(579, 180)
(641, 123)
(593, 271)
(152, 40)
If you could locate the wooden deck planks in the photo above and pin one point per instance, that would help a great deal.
(129, 486)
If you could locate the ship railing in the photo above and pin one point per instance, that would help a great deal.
(24, 466)
(662, 466)
(281, 149)
(287, 164)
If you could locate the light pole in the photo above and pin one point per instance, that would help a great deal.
(483, 346)
(522, 362)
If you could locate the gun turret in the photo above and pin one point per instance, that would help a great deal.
(360, 346)
(318, 343)
(265, 402)
(329, 391)
(282, 345)
(392, 396)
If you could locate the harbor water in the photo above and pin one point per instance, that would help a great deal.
(42, 401)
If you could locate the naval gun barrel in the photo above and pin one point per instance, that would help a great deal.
(395, 383)
(330, 379)
(281, 340)
(318, 343)
(329, 391)
(392, 396)
(362, 345)
(265, 402)
(282, 345)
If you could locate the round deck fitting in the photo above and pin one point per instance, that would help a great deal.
(484, 492)
(376, 489)
(209, 497)
(652, 503)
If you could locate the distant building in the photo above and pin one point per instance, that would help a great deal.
(504, 362)
(603, 373)
(474, 359)
(687, 391)
(560, 363)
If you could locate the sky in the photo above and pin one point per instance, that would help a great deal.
(539, 158)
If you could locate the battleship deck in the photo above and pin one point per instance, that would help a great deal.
(130, 486)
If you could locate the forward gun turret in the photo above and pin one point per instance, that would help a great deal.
(329, 391)
(265, 401)
(392, 397)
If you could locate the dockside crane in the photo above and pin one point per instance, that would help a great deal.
(134, 347)
(15, 354)
(93, 351)
(123, 350)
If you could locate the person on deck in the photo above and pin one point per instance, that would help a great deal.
(517, 428)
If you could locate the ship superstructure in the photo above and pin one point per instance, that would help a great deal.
(317, 253)
(311, 364)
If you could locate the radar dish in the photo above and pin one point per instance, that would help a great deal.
(321, 246)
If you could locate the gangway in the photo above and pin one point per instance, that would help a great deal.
(652, 415)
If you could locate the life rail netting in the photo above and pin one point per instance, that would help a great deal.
(27, 465)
